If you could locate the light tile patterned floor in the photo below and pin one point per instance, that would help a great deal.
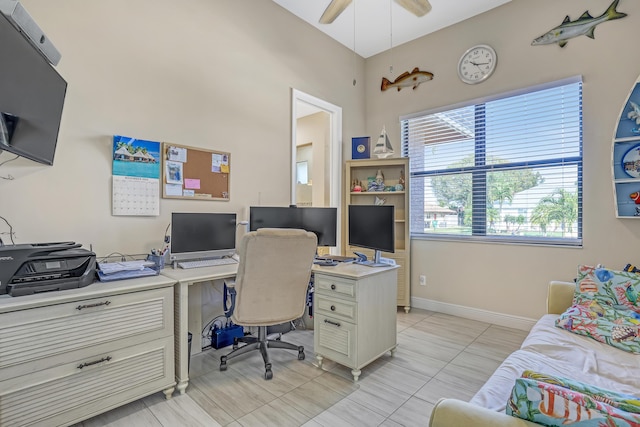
(438, 356)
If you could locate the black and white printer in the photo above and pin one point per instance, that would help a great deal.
(42, 267)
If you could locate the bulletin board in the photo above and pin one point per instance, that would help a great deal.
(194, 173)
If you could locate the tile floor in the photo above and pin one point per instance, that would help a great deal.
(438, 356)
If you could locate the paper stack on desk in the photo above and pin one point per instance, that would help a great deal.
(109, 271)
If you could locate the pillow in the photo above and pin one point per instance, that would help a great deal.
(556, 401)
(616, 288)
(616, 327)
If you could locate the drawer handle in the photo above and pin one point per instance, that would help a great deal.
(98, 304)
(95, 362)
(332, 323)
(333, 287)
(333, 308)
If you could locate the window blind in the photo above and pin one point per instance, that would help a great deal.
(506, 168)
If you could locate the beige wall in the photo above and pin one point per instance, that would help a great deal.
(214, 74)
(512, 279)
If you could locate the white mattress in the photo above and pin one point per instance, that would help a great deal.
(555, 351)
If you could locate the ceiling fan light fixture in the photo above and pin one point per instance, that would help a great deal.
(417, 7)
(335, 8)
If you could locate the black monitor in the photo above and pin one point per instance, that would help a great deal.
(32, 95)
(202, 235)
(319, 220)
(372, 227)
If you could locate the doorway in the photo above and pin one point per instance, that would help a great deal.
(316, 155)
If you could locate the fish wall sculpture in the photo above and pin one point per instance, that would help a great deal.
(583, 26)
(407, 79)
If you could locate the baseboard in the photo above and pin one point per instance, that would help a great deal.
(501, 319)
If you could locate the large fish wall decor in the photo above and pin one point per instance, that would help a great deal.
(583, 26)
(407, 79)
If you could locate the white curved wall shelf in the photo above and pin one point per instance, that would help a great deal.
(626, 157)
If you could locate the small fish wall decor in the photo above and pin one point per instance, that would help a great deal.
(583, 26)
(407, 79)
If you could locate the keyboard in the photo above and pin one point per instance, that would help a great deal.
(206, 262)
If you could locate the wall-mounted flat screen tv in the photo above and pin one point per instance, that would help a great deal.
(32, 94)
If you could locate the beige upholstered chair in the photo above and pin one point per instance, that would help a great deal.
(270, 287)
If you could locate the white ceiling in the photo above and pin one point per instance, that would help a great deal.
(378, 23)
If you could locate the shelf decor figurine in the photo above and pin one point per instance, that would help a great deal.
(377, 184)
(383, 148)
(400, 184)
(635, 196)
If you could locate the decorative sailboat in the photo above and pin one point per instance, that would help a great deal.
(383, 147)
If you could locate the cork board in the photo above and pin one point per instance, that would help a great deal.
(194, 173)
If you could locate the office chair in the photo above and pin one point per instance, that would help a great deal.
(270, 287)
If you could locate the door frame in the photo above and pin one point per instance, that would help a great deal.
(334, 156)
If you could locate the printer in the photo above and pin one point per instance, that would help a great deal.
(31, 268)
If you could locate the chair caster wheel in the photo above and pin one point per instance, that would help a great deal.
(235, 343)
(267, 371)
(301, 353)
(223, 363)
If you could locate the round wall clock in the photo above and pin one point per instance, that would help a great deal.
(477, 64)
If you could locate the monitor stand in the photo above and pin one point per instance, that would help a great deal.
(362, 260)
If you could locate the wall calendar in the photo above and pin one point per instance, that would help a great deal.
(136, 177)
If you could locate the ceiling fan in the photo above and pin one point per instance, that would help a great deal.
(336, 7)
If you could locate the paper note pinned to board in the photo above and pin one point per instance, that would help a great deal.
(192, 184)
(173, 189)
(178, 154)
(216, 162)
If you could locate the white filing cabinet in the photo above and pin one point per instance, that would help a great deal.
(69, 355)
(354, 314)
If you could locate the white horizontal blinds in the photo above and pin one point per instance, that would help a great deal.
(509, 167)
(540, 125)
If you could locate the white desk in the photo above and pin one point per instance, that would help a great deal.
(376, 295)
(184, 279)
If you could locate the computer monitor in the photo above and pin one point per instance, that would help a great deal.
(372, 227)
(323, 221)
(202, 235)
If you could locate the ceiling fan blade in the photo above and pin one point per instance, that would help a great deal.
(417, 7)
(335, 8)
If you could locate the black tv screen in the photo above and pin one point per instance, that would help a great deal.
(31, 98)
(323, 221)
(372, 227)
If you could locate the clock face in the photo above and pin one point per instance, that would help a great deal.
(361, 148)
(477, 64)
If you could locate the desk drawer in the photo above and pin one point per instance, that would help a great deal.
(335, 339)
(335, 307)
(69, 392)
(45, 336)
(335, 287)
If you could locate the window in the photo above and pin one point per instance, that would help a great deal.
(507, 169)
